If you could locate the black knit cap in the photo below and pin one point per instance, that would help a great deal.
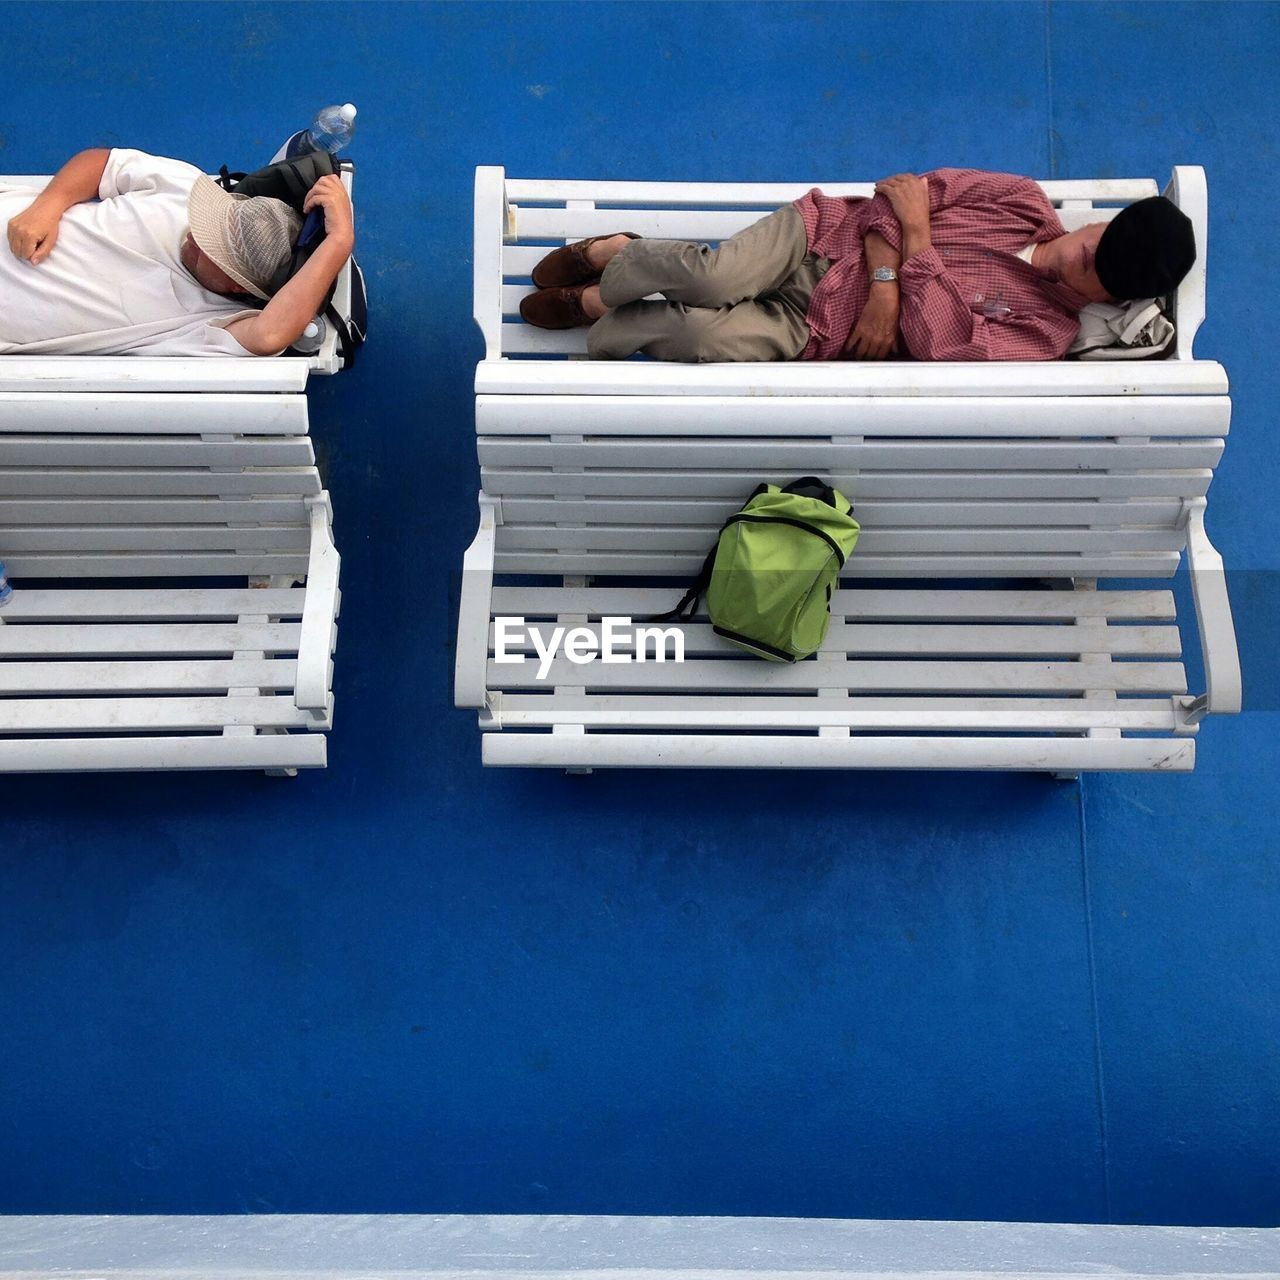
(1146, 250)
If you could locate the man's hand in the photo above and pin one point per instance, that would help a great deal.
(34, 232)
(876, 333)
(909, 197)
(331, 196)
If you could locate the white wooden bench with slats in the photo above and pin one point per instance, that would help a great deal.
(982, 490)
(176, 582)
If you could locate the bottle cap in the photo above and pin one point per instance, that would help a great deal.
(312, 330)
(349, 112)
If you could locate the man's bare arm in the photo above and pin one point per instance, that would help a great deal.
(880, 253)
(281, 322)
(874, 335)
(33, 233)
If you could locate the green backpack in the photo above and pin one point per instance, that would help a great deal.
(768, 580)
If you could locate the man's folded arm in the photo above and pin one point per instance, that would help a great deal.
(77, 181)
(33, 233)
(937, 324)
(281, 322)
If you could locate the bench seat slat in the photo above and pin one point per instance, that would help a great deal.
(862, 603)
(802, 456)
(210, 751)
(773, 194)
(727, 712)
(48, 539)
(112, 639)
(726, 751)
(906, 640)
(748, 674)
(156, 564)
(120, 677)
(1006, 417)
(31, 482)
(111, 374)
(141, 604)
(736, 484)
(210, 510)
(141, 714)
(551, 223)
(162, 413)
(144, 451)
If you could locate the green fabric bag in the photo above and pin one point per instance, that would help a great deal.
(768, 580)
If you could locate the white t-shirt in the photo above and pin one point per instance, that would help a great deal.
(114, 284)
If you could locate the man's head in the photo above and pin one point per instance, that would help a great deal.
(236, 244)
(206, 271)
(1146, 250)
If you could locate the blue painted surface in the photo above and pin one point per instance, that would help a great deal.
(407, 984)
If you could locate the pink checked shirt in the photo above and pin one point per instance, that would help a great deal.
(967, 297)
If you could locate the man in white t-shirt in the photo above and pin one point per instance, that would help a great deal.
(125, 253)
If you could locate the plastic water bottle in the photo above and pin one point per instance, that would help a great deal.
(6, 591)
(330, 131)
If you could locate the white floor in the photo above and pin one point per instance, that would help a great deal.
(367, 1246)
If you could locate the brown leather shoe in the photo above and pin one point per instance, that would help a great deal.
(570, 265)
(556, 308)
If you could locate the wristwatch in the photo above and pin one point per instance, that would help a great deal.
(884, 275)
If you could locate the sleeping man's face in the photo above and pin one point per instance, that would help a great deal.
(206, 271)
(1073, 257)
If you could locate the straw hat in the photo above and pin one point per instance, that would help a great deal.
(249, 237)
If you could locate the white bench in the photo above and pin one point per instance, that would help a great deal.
(159, 518)
(973, 482)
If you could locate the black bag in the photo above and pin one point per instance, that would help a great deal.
(290, 180)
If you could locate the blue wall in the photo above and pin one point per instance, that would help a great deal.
(407, 984)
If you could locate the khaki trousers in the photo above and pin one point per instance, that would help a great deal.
(746, 300)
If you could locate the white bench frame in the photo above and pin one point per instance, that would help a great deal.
(528, 391)
(79, 415)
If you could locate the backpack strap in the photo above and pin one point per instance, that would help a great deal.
(689, 601)
(812, 487)
(346, 347)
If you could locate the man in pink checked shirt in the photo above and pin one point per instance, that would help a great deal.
(958, 264)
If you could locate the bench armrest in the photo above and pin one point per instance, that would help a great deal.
(472, 662)
(319, 613)
(1189, 191)
(1213, 616)
(329, 359)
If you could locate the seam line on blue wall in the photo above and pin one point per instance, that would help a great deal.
(1048, 77)
(1099, 1087)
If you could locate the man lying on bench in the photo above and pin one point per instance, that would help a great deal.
(956, 265)
(124, 253)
